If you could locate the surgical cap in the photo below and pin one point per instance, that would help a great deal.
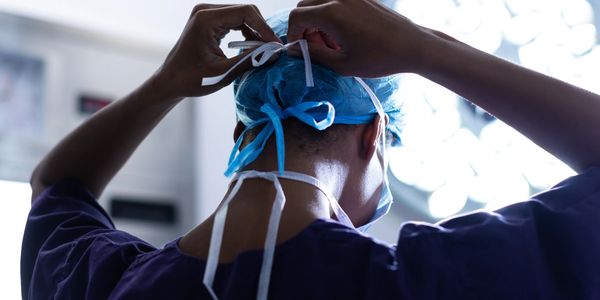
(279, 90)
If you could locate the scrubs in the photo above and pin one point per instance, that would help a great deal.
(545, 248)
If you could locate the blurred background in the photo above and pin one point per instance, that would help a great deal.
(60, 61)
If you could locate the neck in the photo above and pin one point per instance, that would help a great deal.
(303, 200)
(249, 210)
(331, 173)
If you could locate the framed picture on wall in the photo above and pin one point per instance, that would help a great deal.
(21, 94)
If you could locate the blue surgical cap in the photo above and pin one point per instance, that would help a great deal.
(265, 95)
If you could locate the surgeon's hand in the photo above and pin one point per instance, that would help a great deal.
(358, 37)
(197, 54)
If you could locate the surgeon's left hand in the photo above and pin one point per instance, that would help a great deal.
(197, 54)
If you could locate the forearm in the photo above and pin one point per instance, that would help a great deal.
(94, 152)
(560, 117)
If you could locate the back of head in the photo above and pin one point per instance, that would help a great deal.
(266, 95)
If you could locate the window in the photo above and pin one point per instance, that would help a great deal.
(456, 157)
(16, 200)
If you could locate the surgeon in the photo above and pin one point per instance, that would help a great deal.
(314, 95)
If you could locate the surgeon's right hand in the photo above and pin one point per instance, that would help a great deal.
(197, 54)
(359, 37)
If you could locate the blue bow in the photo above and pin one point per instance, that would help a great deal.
(272, 121)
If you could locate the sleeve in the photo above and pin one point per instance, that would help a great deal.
(544, 248)
(71, 249)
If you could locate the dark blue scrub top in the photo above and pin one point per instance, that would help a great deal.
(545, 248)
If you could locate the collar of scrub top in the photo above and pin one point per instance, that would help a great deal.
(275, 114)
(216, 237)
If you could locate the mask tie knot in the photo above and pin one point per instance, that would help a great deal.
(262, 54)
(275, 114)
(272, 123)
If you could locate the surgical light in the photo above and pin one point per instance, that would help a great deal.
(456, 158)
(447, 201)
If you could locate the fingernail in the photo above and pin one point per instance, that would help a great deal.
(276, 38)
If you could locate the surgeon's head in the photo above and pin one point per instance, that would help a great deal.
(284, 123)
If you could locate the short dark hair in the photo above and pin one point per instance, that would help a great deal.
(306, 138)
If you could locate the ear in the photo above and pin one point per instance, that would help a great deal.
(239, 128)
(370, 136)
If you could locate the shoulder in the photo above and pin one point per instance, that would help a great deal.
(571, 199)
(70, 245)
(528, 244)
(66, 197)
(329, 233)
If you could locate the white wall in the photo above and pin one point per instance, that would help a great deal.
(78, 62)
(12, 225)
(159, 23)
(149, 26)
(151, 21)
(108, 47)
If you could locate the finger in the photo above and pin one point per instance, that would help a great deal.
(305, 3)
(259, 25)
(236, 16)
(228, 63)
(318, 38)
(314, 37)
(249, 34)
(200, 7)
(277, 39)
(312, 17)
(298, 22)
(222, 64)
(330, 41)
(322, 55)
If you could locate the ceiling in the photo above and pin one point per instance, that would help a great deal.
(154, 22)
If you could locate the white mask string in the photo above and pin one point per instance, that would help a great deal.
(382, 115)
(265, 51)
(216, 238)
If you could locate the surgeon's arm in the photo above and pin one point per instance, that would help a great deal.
(376, 41)
(94, 152)
(560, 117)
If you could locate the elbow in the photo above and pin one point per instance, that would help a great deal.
(36, 183)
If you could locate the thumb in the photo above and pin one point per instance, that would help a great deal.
(320, 54)
(238, 65)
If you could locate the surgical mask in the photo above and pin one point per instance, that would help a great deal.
(266, 50)
(386, 199)
(383, 207)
